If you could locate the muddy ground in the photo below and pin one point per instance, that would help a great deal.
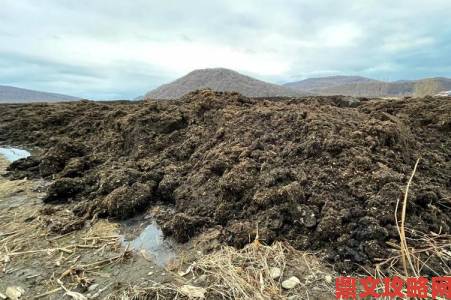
(97, 263)
(90, 261)
(323, 173)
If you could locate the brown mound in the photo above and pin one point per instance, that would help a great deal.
(315, 171)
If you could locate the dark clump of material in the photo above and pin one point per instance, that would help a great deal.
(63, 190)
(324, 173)
(183, 226)
(24, 167)
(138, 195)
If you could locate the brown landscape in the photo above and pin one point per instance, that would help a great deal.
(235, 182)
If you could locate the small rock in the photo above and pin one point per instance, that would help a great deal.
(14, 292)
(150, 273)
(308, 218)
(328, 278)
(193, 291)
(290, 283)
(275, 272)
(3, 296)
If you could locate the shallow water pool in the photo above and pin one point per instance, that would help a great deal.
(13, 154)
(148, 237)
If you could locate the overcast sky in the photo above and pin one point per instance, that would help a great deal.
(111, 49)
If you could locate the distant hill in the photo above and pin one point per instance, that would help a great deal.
(431, 86)
(326, 82)
(365, 87)
(220, 79)
(9, 94)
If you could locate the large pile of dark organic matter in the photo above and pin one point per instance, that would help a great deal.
(321, 172)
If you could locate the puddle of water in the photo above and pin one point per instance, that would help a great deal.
(151, 240)
(13, 154)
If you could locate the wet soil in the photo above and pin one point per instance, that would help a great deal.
(90, 260)
(96, 262)
(323, 173)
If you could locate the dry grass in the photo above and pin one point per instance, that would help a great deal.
(245, 273)
(435, 247)
(59, 263)
(156, 291)
(22, 243)
(10, 188)
(418, 253)
(231, 273)
(405, 255)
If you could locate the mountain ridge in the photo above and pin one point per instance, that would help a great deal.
(367, 87)
(11, 94)
(319, 82)
(221, 79)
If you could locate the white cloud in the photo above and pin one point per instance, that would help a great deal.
(340, 35)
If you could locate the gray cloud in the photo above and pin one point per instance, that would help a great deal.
(120, 49)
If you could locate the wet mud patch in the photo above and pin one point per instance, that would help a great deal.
(42, 243)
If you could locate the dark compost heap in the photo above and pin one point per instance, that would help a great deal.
(324, 173)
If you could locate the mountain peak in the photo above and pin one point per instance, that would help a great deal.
(223, 80)
(213, 70)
